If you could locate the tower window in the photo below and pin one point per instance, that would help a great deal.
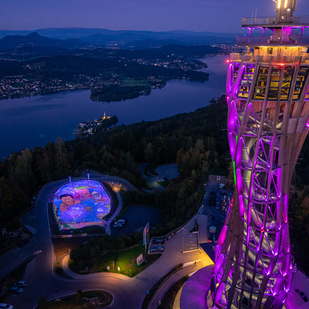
(270, 51)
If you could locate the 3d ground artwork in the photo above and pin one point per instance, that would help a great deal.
(268, 100)
(80, 204)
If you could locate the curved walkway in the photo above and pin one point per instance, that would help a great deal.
(168, 171)
(169, 283)
(144, 281)
(152, 181)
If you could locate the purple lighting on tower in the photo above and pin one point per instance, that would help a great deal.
(268, 102)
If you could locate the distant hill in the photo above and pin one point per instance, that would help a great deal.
(123, 37)
(34, 39)
(29, 52)
(162, 53)
(149, 43)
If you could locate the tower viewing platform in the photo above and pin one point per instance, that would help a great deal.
(282, 30)
(270, 22)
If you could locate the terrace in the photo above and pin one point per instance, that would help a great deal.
(271, 41)
(254, 57)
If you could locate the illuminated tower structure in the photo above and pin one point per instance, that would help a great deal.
(268, 101)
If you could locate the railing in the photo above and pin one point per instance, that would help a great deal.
(269, 40)
(249, 21)
(267, 58)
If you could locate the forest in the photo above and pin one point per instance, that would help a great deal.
(196, 141)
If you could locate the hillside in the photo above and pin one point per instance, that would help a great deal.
(34, 39)
(122, 37)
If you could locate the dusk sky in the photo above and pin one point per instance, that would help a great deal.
(154, 15)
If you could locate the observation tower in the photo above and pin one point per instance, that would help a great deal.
(268, 101)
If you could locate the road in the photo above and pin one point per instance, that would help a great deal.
(129, 291)
(151, 181)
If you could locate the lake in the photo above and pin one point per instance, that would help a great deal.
(34, 121)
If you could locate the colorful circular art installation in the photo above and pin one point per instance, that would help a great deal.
(81, 203)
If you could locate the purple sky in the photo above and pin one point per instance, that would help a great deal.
(154, 15)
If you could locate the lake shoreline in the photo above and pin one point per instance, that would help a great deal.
(35, 121)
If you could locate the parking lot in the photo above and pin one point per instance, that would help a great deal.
(136, 218)
(212, 206)
(156, 244)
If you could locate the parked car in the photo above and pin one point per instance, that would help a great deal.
(160, 248)
(117, 225)
(158, 240)
(16, 289)
(157, 249)
(122, 221)
(155, 241)
(20, 284)
(6, 306)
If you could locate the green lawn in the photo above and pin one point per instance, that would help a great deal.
(76, 301)
(134, 82)
(126, 260)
